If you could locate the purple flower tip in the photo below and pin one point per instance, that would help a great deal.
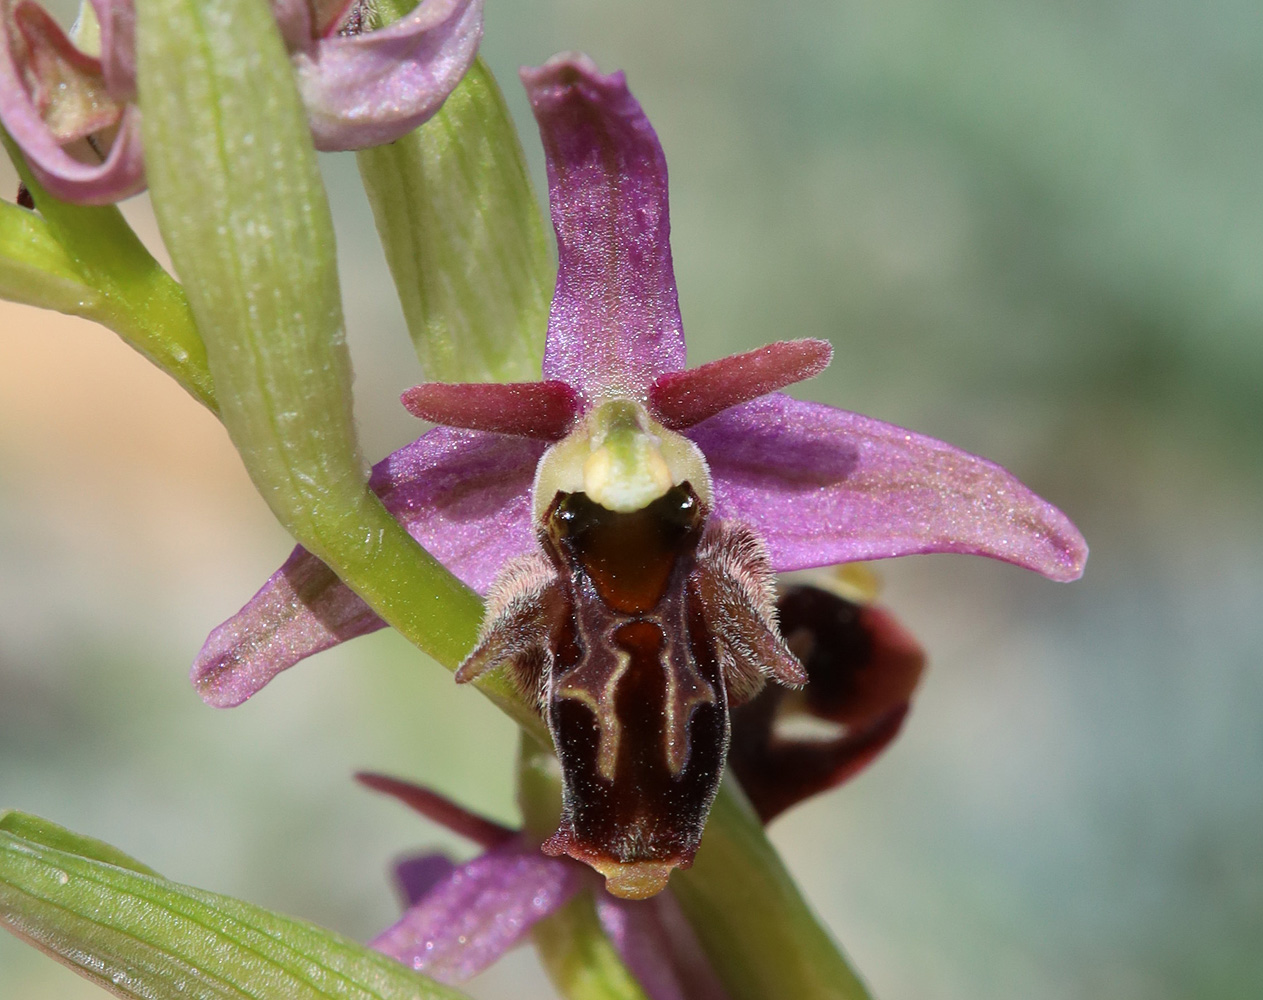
(369, 88)
(68, 111)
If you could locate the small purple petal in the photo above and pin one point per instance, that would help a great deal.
(682, 399)
(824, 486)
(659, 947)
(480, 911)
(417, 876)
(31, 48)
(615, 321)
(369, 89)
(303, 609)
(464, 495)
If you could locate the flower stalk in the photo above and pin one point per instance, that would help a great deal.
(762, 937)
(223, 122)
(579, 958)
(86, 260)
(573, 946)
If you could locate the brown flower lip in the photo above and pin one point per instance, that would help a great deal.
(634, 632)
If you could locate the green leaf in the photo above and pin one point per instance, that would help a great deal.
(243, 212)
(464, 236)
(48, 834)
(86, 260)
(141, 936)
(761, 936)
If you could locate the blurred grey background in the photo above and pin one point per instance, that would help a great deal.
(1032, 229)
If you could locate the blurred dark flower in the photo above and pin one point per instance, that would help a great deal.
(626, 514)
(72, 110)
(862, 667)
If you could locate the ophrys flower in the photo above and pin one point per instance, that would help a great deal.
(626, 514)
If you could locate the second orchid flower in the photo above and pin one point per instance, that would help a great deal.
(71, 106)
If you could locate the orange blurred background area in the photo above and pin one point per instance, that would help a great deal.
(1036, 232)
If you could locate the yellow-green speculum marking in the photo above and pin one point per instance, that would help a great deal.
(622, 459)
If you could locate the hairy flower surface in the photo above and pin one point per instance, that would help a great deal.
(625, 515)
(72, 109)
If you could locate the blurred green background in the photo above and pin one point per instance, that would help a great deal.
(1032, 229)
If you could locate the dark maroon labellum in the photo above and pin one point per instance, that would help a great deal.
(635, 630)
(635, 700)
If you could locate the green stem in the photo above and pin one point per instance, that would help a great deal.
(579, 957)
(572, 944)
(36, 270)
(762, 937)
(244, 215)
(43, 258)
(464, 236)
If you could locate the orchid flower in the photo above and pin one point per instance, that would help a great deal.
(626, 514)
(72, 109)
(460, 918)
